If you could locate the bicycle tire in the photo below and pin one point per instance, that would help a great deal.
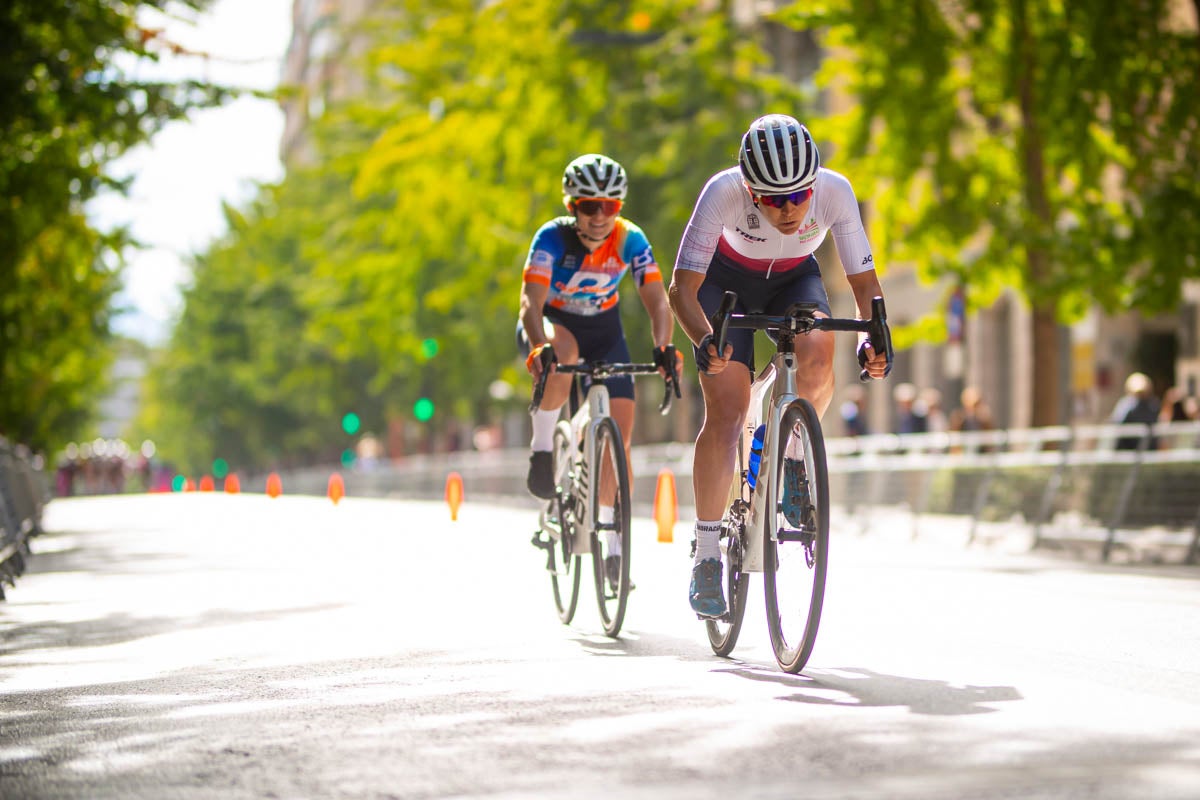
(794, 571)
(611, 599)
(564, 581)
(723, 632)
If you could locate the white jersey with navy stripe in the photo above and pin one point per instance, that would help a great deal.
(725, 219)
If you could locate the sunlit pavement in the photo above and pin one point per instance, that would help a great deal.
(206, 645)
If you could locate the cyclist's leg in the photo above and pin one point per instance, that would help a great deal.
(725, 399)
(540, 479)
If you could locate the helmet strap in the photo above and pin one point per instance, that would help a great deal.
(583, 235)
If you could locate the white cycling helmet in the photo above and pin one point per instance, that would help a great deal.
(595, 175)
(778, 155)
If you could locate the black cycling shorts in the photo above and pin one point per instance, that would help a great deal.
(759, 295)
(601, 338)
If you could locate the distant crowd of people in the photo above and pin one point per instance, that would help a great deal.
(920, 410)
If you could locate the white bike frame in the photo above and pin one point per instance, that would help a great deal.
(772, 392)
(583, 424)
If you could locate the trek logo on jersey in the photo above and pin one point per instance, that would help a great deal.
(748, 237)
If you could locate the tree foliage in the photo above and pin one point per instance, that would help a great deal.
(1050, 147)
(67, 109)
(414, 220)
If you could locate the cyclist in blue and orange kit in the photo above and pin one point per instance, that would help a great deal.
(569, 301)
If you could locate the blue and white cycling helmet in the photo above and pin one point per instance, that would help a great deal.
(594, 175)
(778, 155)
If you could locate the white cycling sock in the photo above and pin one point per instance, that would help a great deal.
(544, 421)
(707, 540)
(612, 539)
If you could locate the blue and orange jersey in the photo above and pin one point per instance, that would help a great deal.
(586, 283)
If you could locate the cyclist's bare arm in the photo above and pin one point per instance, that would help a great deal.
(654, 298)
(865, 286)
(685, 302)
(533, 298)
(662, 324)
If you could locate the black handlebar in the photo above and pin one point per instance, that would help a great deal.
(800, 318)
(603, 369)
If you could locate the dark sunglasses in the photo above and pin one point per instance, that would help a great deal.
(780, 200)
(590, 207)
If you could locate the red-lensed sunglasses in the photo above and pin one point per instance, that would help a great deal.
(590, 207)
(780, 200)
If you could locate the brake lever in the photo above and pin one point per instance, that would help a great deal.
(547, 357)
(880, 337)
(720, 321)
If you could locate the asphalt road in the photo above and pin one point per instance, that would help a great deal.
(205, 645)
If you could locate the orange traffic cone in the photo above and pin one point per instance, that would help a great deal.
(188, 486)
(274, 485)
(206, 484)
(337, 487)
(665, 506)
(232, 484)
(454, 493)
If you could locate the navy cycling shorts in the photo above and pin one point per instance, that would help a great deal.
(601, 338)
(759, 295)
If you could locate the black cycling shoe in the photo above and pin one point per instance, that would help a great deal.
(540, 480)
(612, 570)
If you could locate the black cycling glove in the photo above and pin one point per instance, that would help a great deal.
(702, 356)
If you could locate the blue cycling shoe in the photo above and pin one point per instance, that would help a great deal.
(796, 502)
(706, 594)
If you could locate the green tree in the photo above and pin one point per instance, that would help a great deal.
(414, 219)
(1044, 146)
(68, 107)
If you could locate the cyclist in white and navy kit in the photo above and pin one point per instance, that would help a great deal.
(569, 301)
(753, 231)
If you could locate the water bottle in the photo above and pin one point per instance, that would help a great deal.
(756, 448)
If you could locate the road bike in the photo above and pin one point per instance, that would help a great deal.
(569, 526)
(777, 522)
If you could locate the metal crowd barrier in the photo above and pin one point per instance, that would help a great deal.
(23, 495)
(1127, 490)
(1132, 490)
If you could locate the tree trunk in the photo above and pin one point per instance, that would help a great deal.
(1047, 397)
(1047, 368)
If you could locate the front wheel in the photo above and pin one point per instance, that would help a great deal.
(796, 554)
(564, 566)
(611, 543)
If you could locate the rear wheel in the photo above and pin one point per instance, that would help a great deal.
(611, 544)
(564, 567)
(723, 631)
(796, 554)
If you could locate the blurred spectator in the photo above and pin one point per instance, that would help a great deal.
(854, 412)
(1174, 406)
(1138, 404)
(910, 413)
(974, 414)
(935, 417)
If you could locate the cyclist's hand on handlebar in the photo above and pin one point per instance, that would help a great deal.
(707, 359)
(669, 361)
(875, 365)
(538, 358)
